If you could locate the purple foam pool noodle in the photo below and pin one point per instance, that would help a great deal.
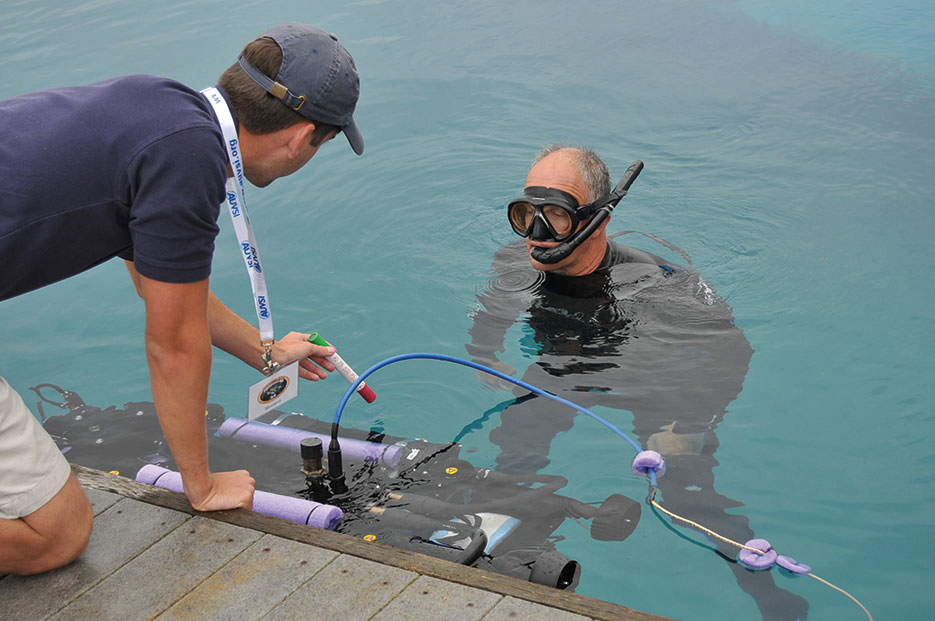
(297, 510)
(290, 438)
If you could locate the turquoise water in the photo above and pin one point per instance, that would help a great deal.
(788, 149)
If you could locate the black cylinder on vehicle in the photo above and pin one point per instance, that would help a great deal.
(554, 569)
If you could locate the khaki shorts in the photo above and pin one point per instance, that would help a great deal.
(32, 468)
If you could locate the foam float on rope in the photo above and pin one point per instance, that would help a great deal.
(769, 557)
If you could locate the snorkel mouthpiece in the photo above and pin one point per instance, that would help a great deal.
(561, 252)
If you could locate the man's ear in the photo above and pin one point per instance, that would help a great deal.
(603, 226)
(300, 135)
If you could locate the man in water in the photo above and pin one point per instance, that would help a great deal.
(611, 325)
(137, 167)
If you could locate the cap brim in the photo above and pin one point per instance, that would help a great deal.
(354, 137)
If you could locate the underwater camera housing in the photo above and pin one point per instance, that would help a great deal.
(408, 493)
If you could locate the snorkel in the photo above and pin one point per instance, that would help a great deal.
(564, 250)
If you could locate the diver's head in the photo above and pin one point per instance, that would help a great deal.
(558, 203)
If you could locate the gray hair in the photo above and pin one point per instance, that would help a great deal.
(590, 166)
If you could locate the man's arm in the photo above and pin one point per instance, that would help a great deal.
(498, 308)
(233, 334)
(178, 348)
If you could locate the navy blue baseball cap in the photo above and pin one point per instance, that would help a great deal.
(317, 78)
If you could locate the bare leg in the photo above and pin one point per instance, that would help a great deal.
(51, 537)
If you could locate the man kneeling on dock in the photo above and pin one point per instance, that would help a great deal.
(137, 167)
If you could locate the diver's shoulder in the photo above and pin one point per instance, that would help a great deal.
(618, 253)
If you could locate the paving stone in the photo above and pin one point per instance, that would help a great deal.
(157, 578)
(101, 500)
(510, 608)
(120, 532)
(431, 598)
(254, 582)
(349, 589)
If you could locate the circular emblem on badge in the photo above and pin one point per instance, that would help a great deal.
(272, 390)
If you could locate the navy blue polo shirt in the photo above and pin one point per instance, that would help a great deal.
(132, 167)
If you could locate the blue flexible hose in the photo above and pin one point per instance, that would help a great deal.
(485, 369)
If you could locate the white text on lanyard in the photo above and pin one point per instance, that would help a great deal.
(237, 207)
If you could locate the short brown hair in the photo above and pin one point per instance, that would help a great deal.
(258, 111)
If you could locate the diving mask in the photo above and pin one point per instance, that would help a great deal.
(558, 211)
(549, 211)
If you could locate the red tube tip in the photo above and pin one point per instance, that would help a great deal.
(367, 393)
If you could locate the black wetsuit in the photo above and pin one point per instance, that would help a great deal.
(637, 335)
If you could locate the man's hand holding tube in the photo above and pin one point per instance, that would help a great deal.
(313, 359)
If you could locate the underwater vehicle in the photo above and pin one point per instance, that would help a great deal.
(409, 493)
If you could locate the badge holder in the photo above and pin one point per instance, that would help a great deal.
(280, 385)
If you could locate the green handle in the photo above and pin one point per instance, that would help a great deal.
(316, 339)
